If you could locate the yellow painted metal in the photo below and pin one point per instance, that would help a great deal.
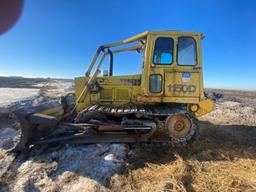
(194, 107)
(115, 90)
(159, 99)
(205, 106)
(129, 40)
(134, 48)
(119, 90)
(57, 111)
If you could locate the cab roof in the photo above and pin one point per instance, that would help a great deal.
(143, 35)
(163, 32)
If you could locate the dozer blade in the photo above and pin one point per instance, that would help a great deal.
(38, 128)
(33, 122)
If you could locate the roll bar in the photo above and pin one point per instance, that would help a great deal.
(136, 38)
(102, 49)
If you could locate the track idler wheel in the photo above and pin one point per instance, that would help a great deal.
(182, 128)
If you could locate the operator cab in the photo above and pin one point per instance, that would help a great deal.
(171, 71)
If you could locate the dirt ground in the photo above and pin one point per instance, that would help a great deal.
(222, 159)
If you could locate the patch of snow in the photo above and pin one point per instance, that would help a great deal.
(57, 88)
(230, 104)
(110, 157)
(39, 85)
(8, 137)
(28, 103)
(90, 160)
(71, 168)
(235, 112)
(10, 95)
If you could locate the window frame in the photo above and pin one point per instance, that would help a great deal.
(172, 50)
(161, 82)
(177, 51)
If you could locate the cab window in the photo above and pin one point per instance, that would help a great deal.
(163, 51)
(155, 83)
(186, 51)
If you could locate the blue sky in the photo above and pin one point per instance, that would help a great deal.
(57, 38)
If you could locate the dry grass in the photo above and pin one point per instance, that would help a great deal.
(190, 175)
(236, 175)
(152, 177)
(211, 164)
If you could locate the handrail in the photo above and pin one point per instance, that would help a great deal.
(87, 87)
(90, 81)
(111, 60)
(95, 57)
(133, 48)
(101, 49)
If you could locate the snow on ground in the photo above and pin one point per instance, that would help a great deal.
(10, 95)
(8, 137)
(68, 168)
(56, 88)
(39, 85)
(53, 89)
(15, 98)
(232, 112)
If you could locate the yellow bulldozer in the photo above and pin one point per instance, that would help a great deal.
(160, 104)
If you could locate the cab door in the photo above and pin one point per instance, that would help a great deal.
(162, 59)
(184, 81)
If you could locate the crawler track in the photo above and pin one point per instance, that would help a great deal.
(141, 113)
(106, 124)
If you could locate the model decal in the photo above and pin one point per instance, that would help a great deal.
(182, 88)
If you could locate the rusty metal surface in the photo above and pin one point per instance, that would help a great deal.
(92, 135)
